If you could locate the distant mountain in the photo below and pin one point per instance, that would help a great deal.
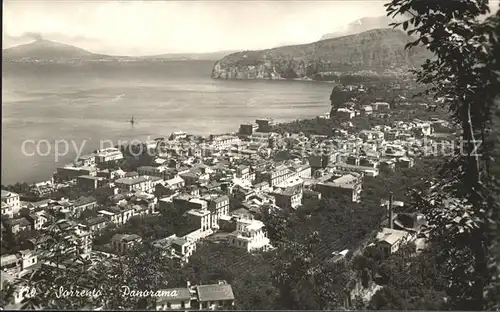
(379, 51)
(361, 25)
(51, 51)
(209, 56)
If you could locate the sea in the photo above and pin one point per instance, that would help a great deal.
(52, 111)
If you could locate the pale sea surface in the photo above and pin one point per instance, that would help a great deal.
(89, 103)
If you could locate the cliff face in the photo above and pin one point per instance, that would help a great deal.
(374, 52)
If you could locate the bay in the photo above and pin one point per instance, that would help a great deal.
(86, 104)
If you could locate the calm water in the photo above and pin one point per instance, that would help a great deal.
(90, 103)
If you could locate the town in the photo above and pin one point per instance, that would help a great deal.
(215, 190)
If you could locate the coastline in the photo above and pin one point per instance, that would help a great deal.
(131, 139)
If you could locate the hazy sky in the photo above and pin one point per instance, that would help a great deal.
(155, 27)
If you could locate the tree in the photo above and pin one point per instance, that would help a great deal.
(462, 77)
(305, 280)
(276, 224)
(413, 282)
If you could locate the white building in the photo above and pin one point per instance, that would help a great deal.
(124, 242)
(141, 183)
(390, 240)
(250, 235)
(180, 248)
(224, 141)
(108, 154)
(10, 203)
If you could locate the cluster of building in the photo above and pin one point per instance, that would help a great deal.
(219, 184)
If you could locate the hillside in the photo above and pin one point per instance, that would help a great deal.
(209, 56)
(51, 51)
(46, 50)
(361, 25)
(373, 52)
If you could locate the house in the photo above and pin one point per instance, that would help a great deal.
(90, 183)
(178, 135)
(388, 165)
(343, 114)
(87, 160)
(302, 170)
(243, 172)
(184, 202)
(249, 235)
(108, 155)
(84, 203)
(37, 220)
(10, 263)
(264, 125)
(390, 240)
(368, 135)
(140, 183)
(20, 263)
(11, 203)
(197, 175)
(405, 162)
(218, 206)
(223, 141)
(246, 129)
(18, 225)
(174, 299)
(183, 247)
(366, 110)
(70, 172)
(123, 213)
(175, 183)
(21, 289)
(96, 224)
(6, 210)
(216, 296)
(288, 198)
(41, 204)
(200, 218)
(348, 184)
(381, 106)
(368, 171)
(117, 215)
(123, 242)
(197, 297)
(152, 171)
(84, 240)
(261, 187)
(276, 176)
(241, 213)
(180, 248)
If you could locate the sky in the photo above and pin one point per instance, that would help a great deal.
(157, 27)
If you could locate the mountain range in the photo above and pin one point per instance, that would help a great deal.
(372, 52)
(378, 51)
(46, 50)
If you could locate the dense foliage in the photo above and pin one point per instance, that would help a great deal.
(461, 208)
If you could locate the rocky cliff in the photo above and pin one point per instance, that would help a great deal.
(374, 52)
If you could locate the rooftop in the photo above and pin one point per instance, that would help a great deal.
(391, 236)
(132, 181)
(215, 292)
(198, 212)
(174, 294)
(6, 194)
